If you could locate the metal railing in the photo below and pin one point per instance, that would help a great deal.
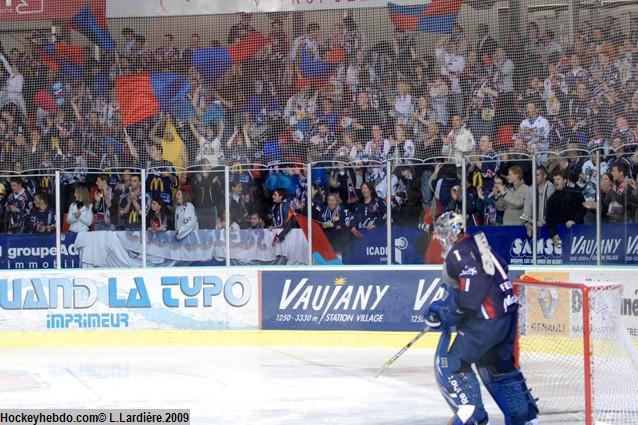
(389, 165)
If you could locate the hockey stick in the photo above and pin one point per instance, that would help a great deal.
(401, 351)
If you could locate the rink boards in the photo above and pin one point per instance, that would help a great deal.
(306, 306)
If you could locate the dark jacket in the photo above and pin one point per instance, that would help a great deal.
(564, 205)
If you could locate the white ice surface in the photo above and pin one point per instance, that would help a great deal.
(233, 385)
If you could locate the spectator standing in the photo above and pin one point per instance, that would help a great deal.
(503, 71)
(186, 55)
(210, 149)
(551, 47)
(405, 197)
(41, 219)
(485, 204)
(18, 205)
(576, 74)
(364, 117)
(512, 202)
(278, 215)
(485, 164)
(515, 50)
(422, 114)
(80, 216)
(439, 93)
(343, 182)
(556, 89)
(308, 42)
(375, 153)
(173, 147)
(14, 84)
(580, 112)
(103, 204)
(208, 197)
(565, 206)
(401, 104)
(534, 128)
(131, 204)
(279, 48)
(533, 51)
(333, 222)
(161, 180)
(486, 45)
(452, 66)
(459, 142)
(166, 57)
(239, 205)
(544, 190)
(402, 149)
(241, 29)
(619, 196)
(185, 216)
(368, 213)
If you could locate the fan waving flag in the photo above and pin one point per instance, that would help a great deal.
(91, 23)
(314, 68)
(322, 250)
(437, 16)
(213, 62)
(143, 95)
(66, 58)
(67, 52)
(316, 72)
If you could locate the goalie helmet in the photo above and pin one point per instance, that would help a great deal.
(447, 229)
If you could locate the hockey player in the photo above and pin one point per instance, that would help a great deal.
(480, 302)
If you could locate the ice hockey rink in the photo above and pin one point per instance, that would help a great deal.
(233, 385)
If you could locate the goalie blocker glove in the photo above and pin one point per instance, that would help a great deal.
(444, 312)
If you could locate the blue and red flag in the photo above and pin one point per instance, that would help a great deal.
(143, 95)
(437, 16)
(90, 21)
(213, 62)
(322, 250)
(316, 72)
(67, 58)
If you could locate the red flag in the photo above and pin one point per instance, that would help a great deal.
(247, 47)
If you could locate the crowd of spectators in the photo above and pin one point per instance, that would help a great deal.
(470, 100)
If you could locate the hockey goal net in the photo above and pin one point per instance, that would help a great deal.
(576, 353)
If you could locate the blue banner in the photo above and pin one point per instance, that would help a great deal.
(372, 247)
(348, 300)
(32, 251)
(619, 244)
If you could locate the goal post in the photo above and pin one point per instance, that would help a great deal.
(575, 352)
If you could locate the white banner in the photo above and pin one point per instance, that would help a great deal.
(211, 298)
(151, 8)
(627, 278)
(124, 249)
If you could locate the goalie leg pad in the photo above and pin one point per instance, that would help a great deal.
(459, 385)
(511, 394)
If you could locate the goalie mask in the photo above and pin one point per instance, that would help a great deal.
(447, 230)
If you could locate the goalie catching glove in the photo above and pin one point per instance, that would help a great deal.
(444, 312)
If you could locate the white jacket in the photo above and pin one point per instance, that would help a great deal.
(14, 85)
(462, 143)
(82, 223)
(185, 220)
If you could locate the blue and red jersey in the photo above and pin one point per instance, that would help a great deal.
(479, 294)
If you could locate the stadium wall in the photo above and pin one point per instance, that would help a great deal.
(344, 306)
(213, 23)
